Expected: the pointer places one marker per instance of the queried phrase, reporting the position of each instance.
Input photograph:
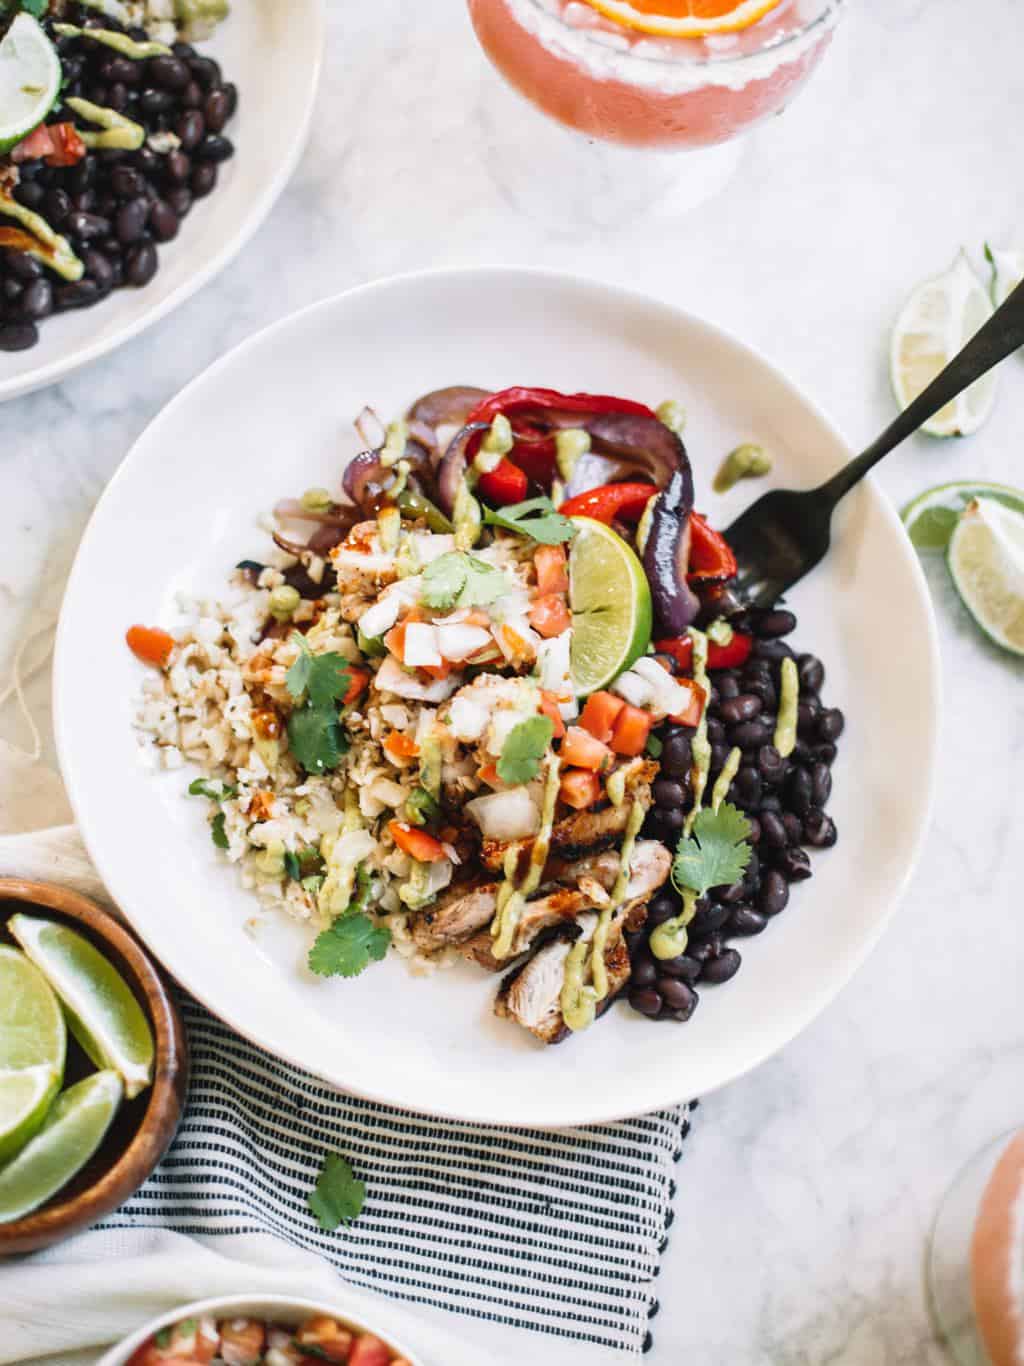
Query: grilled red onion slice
(291, 510)
(446, 407)
(452, 469)
(628, 446)
(667, 556)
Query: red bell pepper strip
(710, 554)
(504, 485)
(625, 502)
(59, 144)
(730, 656)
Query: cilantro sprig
(314, 731)
(214, 789)
(524, 748)
(461, 580)
(351, 944)
(537, 518)
(716, 854)
(323, 678)
(339, 1195)
(217, 832)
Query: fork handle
(1000, 337)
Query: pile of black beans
(784, 800)
(115, 207)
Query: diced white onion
(526, 640)
(636, 690)
(668, 696)
(381, 616)
(507, 815)
(468, 719)
(420, 645)
(459, 642)
(431, 546)
(391, 677)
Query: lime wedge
(610, 600)
(102, 1013)
(25, 1098)
(932, 516)
(32, 1028)
(986, 560)
(937, 320)
(1007, 272)
(73, 1130)
(30, 77)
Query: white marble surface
(806, 1194)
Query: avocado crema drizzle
(512, 898)
(120, 42)
(466, 513)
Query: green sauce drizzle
(789, 699)
(60, 257)
(512, 898)
(701, 747)
(120, 42)
(118, 133)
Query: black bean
(751, 734)
(793, 864)
(819, 829)
(676, 756)
(709, 918)
(147, 161)
(770, 802)
(747, 786)
(11, 290)
(743, 708)
(679, 997)
(644, 970)
(98, 267)
(799, 788)
(656, 827)
(646, 1001)
(180, 200)
(755, 829)
(204, 179)
(731, 894)
(668, 792)
(794, 827)
(86, 202)
(771, 764)
(773, 832)
(164, 225)
(825, 754)
(98, 91)
(771, 625)
(136, 31)
(703, 949)
(746, 921)
(58, 206)
(140, 264)
(171, 73)
(715, 730)
(811, 672)
(153, 101)
(183, 50)
(772, 650)
(206, 71)
(23, 267)
(178, 167)
(190, 129)
(807, 714)
(119, 70)
(81, 177)
(684, 968)
(713, 698)
(215, 148)
(31, 194)
(752, 876)
(216, 110)
(37, 300)
(79, 295)
(821, 784)
(831, 724)
(131, 221)
(192, 97)
(719, 754)
(759, 687)
(87, 227)
(117, 98)
(728, 687)
(127, 182)
(230, 92)
(721, 969)
(774, 894)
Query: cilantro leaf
(460, 580)
(216, 790)
(716, 854)
(339, 1195)
(324, 678)
(654, 746)
(537, 518)
(217, 832)
(348, 947)
(315, 737)
(292, 866)
(524, 748)
(37, 8)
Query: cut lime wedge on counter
(932, 516)
(25, 1098)
(74, 1129)
(986, 560)
(610, 600)
(30, 77)
(1007, 272)
(104, 1016)
(32, 1028)
(936, 322)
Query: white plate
(273, 418)
(265, 45)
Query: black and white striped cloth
(558, 1232)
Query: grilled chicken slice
(531, 995)
(455, 916)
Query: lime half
(1007, 272)
(30, 77)
(31, 1022)
(74, 1129)
(931, 517)
(936, 322)
(25, 1098)
(986, 560)
(610, 600)
(104, 1016)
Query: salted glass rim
(828, 10)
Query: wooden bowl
(143, 1128)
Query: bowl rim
(255, 1304)
(59, 1218)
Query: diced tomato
(416, 843)
(395, 640)
(242, 1341)
(401, 746)
(579, 788)
(710, 554)
(359, 681)
(489, 775)
(729, 656)
(58, 143)
(549, 708)
(370, 1351)
(552, 569)
(549, 615)
(599, 714)
(149, 1354)
(150, 644)
(691, 716)
(632, 727)
(505, 485)
(610, 502)
(581, 750)
(326, 1334)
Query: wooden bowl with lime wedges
(93, 1065)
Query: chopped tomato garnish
(549, 615)
(549, 708)
(359, 681)
(599, 714)
(242, 1341)
(580, 750)
(58, 143)
(489, 775)
(150, 644)
(395, 640)
(691, 716)
(579, 788)
(333, 1341)
(401, 746)
(370, 1351)
(416, 843)
(552, 569)
(632, 727)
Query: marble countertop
(808, 1188)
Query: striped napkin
(555, 1232)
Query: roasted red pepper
(710, 555)
(729, 656)
(505, 485)
(611, 502)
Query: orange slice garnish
(685, 18)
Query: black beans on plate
(783, 798)
(117, 207)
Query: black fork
(782, 536)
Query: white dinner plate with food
(260, 45)
(274, 419)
